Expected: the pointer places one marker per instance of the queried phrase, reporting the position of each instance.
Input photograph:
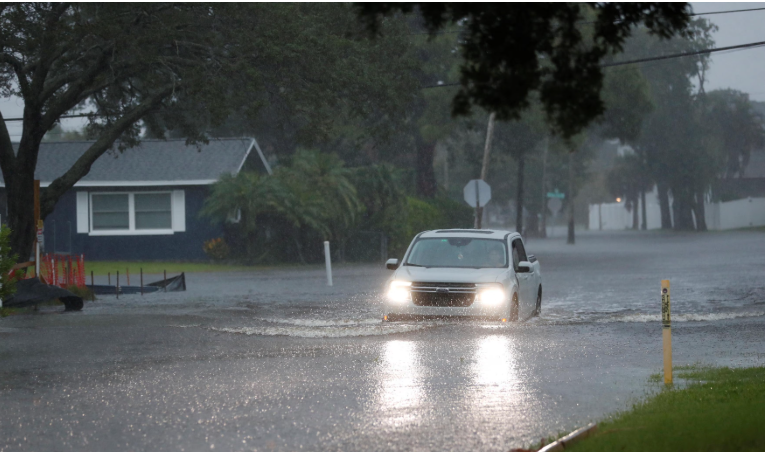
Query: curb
(571, 438)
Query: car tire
(514, 308)
(538, 308)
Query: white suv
(465, 272)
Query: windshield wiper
(415, 265)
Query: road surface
(276, 360)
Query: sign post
(666, 324)
(39, 244)
(477, 193)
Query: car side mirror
(523, 267)
(391, 264)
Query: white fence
(613, 216)
(742, 213)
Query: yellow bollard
(666, 323)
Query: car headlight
(494, 294)
(399, 291)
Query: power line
(685, 54)
(726, 12)
(657, 58)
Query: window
(111, 212)
(519, 253)
(138, 213)
(459, 252)
(153, 211)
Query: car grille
(456, 295)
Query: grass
(717, 409)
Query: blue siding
(61, 233)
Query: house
(142, 204)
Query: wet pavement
(276, 360)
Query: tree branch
(82, 166)
(7, 158)
(18, 68)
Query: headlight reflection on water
(401, 392)
(494, 372)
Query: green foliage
(730, 115)
(7, 261)
(312, 193)
(550, 54)
(719, 409)
(427, 214)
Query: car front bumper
(409, 309)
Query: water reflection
(495, 374)
(401, 383)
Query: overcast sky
(742, 70)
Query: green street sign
(556, 194)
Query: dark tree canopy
(513, 49)
(181, 69)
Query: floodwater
(276, 360)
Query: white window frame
(174, 209)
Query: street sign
(477, 192)
(556, 194)
(40, 230)
(554, 204)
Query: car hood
(433, 274)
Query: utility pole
(485, 166)
(571, 238)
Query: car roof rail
(464, 231)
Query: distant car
(466, 273)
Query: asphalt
(276, 360)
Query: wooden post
(109, 278)
(141, 281)
(666, 323)
(91, 278)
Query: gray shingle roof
(153, 162)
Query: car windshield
(458, 252)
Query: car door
(525, 280)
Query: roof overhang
(136, 183)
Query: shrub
(7, 261)
(82, 292)
(216, 249)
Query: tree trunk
(543, 225)
(635, 219)
(532, 225)
(21, 216)
(682, 207)
(666, 215)
(644, 225)
(298, 247)
(699, 210)
(571, 234)
(519, 195)
(425, 174)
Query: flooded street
(276, 360)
